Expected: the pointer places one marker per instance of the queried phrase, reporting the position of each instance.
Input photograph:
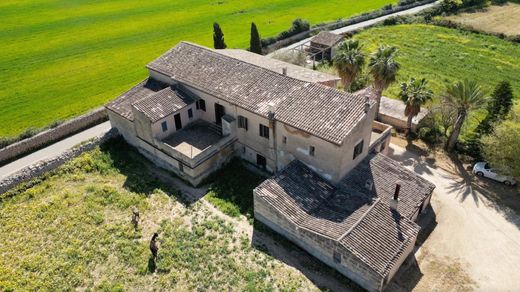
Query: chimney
(369, 184)
(395, 199)
(367, 104)
(284, 71)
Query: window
(284, 140)
(358, 149)
(312, 150)
(264, 131)
(337, 257)
(164, 126)
(201, 104)
(242, 122)
(190, 113)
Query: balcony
(195, 143)
(380, 134)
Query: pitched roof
(123, 104)
(364, 225)
(395, 108)
(326, 38)
(384, 173)
(322, 111)
(298, 72)
(162, 103)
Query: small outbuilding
(324, 43)
(391, 112)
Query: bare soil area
(499, 19)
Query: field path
(54, 150)
(364, 24)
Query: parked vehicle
(483, 169)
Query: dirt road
(474, 236)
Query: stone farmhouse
(334, 192)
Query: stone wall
(52, 135)
(43, 166)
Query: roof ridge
(376, 201)
(265, 69)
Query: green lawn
(444, 55)
(61, 58)
(72, 231)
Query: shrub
(499, 2)
(298, 25)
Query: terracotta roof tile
(322, 111)
(326, 38)
(162, 103)
(358, 220)
(123, 104)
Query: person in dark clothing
(153, 246)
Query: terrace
(196, 142)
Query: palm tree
(463, 97)
(349, 61)
(414, 94)
(383, 67)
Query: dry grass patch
(499, 19)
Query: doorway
(178, 123)
(220, 111)
(261, 161)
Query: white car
(483, 169)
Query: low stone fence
(49, 164)
(342, 23)
(49, 136)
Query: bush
(499, 2)
(298, 25)
(431, 135)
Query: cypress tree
(255, 45)
(218, 37)
(498, 108)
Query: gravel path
(471, 229)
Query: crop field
(71, 230)
(499, 19)
(443, 55)
(60, 58)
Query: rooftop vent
(284, 70)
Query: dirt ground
(474, 242)
(500, 19)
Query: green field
(444, 55)
(61, 58)
(72, 231)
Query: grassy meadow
(71, 230)
(60, 58)
(444, 55)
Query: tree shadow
(504, 199)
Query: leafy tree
(218, 37)
(498, 108)
(463, 97)
(255, 44)
(414, 94)
(500, 148)
(383, 67)
(349, 61)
